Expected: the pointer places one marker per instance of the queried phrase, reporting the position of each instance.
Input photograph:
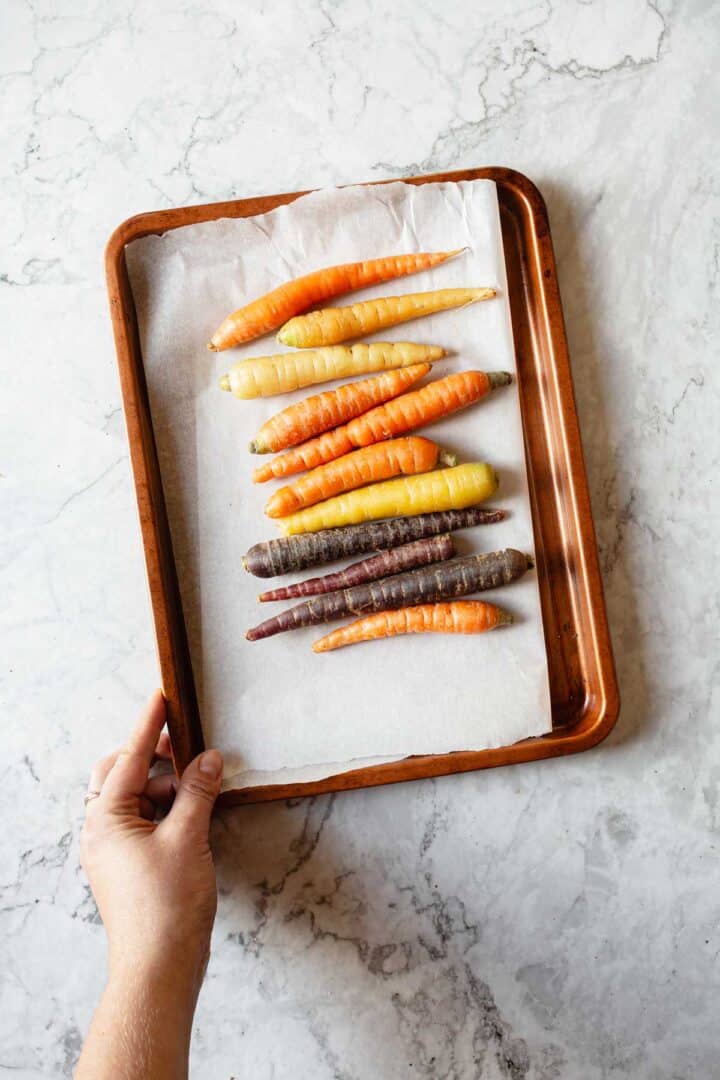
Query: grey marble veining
(557, 920)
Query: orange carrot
(294, 297)
(323, 411)
(326, 447)
(454, 617)
(413, 410)
(365, 466)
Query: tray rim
(171, 641)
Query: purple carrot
(289, 553)
(426, 585)
(418, 553)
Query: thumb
(199, 788)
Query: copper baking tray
(583, 685)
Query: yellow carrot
(319, 413)
(332, 325)
(275, 307)
(450, 617)
(264, 376)
(444, 489)
(367, 466)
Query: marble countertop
(557, 920)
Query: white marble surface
(548, 921)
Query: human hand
(153, 882)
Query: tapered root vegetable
(326, 447)
(366, 466)
(407, 557)
(274, 308)
(332, 407)
(264, 376)
(453, 617)
(442, 489)
(330, 326)
(444, 581)
(440, 398)
(287, 554)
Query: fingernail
(211, 763)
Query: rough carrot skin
(309, 455)
(454, 617)
(330, 326)
(366, 466)
(323, 411)
(443, 581)
(441, 489)
(286, 554)
(406, 557)
(275, 307)
(440, 398)
(264, 376)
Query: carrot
(275, 307)
(406, 557)
(264, 376)
(443, 581)
(288, 553)
(326, 447)
(439, 398)
(451, 617)
(329, 326)
(322, 411)
(368, 465)
(432, 402)
(442, 489)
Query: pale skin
(154, 885)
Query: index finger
(146, 734)
(129, 774)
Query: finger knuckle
(199, 789)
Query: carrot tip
(224, 381)
(254, 447)
(211, 347)
(499, 378)
(504, 618)
(530, 562)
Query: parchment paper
(276, 710)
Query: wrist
(169, 978)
